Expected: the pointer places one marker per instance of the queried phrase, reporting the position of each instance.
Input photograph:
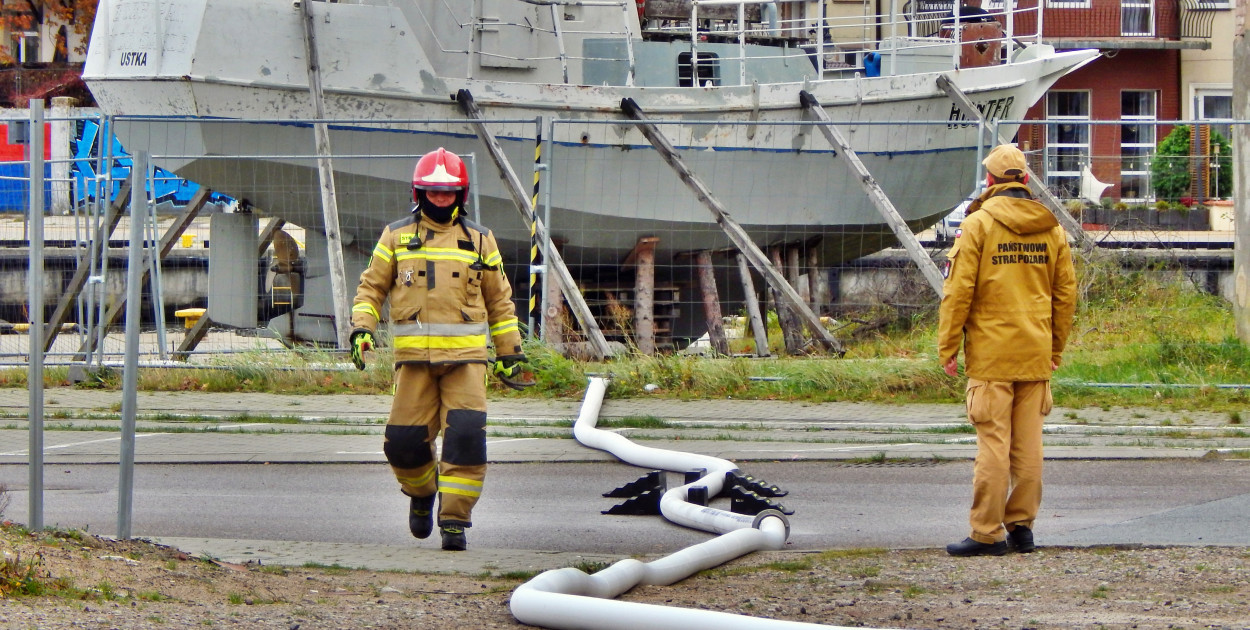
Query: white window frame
(1068, 4)
(1199, 90)
(21, 46)
(1149, 146)
(1215, 5)
(1149, 6)
(1084, 148)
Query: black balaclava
(436, 213)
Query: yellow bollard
(190, 316)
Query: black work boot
(453, 538)
(970, 547)
(1020, 539)
(421, 516)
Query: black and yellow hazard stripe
(534, 255)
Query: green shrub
(1175, 159)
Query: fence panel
(612, 205)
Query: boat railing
(840, 43)
(912, 40)
(989, 39)
(908, 38)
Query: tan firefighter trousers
(1007, 476)
(440, 399)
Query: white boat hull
(218, 91)
(781, 181)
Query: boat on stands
(220, 92)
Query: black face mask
(436, 213)
(439, 215)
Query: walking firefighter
(444, 277)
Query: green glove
(508, 366)
(362, 341)
(510, 371)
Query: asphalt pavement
(212, 428)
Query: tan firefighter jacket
(447, 289)
(1010, 289)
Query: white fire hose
(571, 599)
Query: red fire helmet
(439, 170)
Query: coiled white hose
(570, 599)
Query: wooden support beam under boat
(523, 205)
(878, 197)
(339, 299)
(643, 259)
(794, 272)
(1036, 184)
(791, 330)
(69, 297)
(171, 236)
(758, 329)
(553, 310)
(816, 278)
(194, 336)
(711, 303)
(732, 229)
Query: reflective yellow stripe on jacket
(365, 307)
(381, 251)
(504, 326)
(438, 253)
(444, 336)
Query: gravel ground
(91, 582)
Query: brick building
(1162, 60)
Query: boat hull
(218, 91)
(197, 101)
(602, 199)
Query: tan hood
(1022, 216)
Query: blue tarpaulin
(15, 187)
(168, 187)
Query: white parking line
(834, 449)
(73, 444)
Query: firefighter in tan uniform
(448, 295)
(1009, 296)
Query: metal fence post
(549, 128)
(130, 370)
(34, 279)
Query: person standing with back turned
(448, 293)
(1009, 296)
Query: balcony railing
(1197, 16)
(1110, 19)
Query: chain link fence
(235, 230)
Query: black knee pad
(406, 447)
(464, 441)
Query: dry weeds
(91, 582)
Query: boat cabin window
(709, 69)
